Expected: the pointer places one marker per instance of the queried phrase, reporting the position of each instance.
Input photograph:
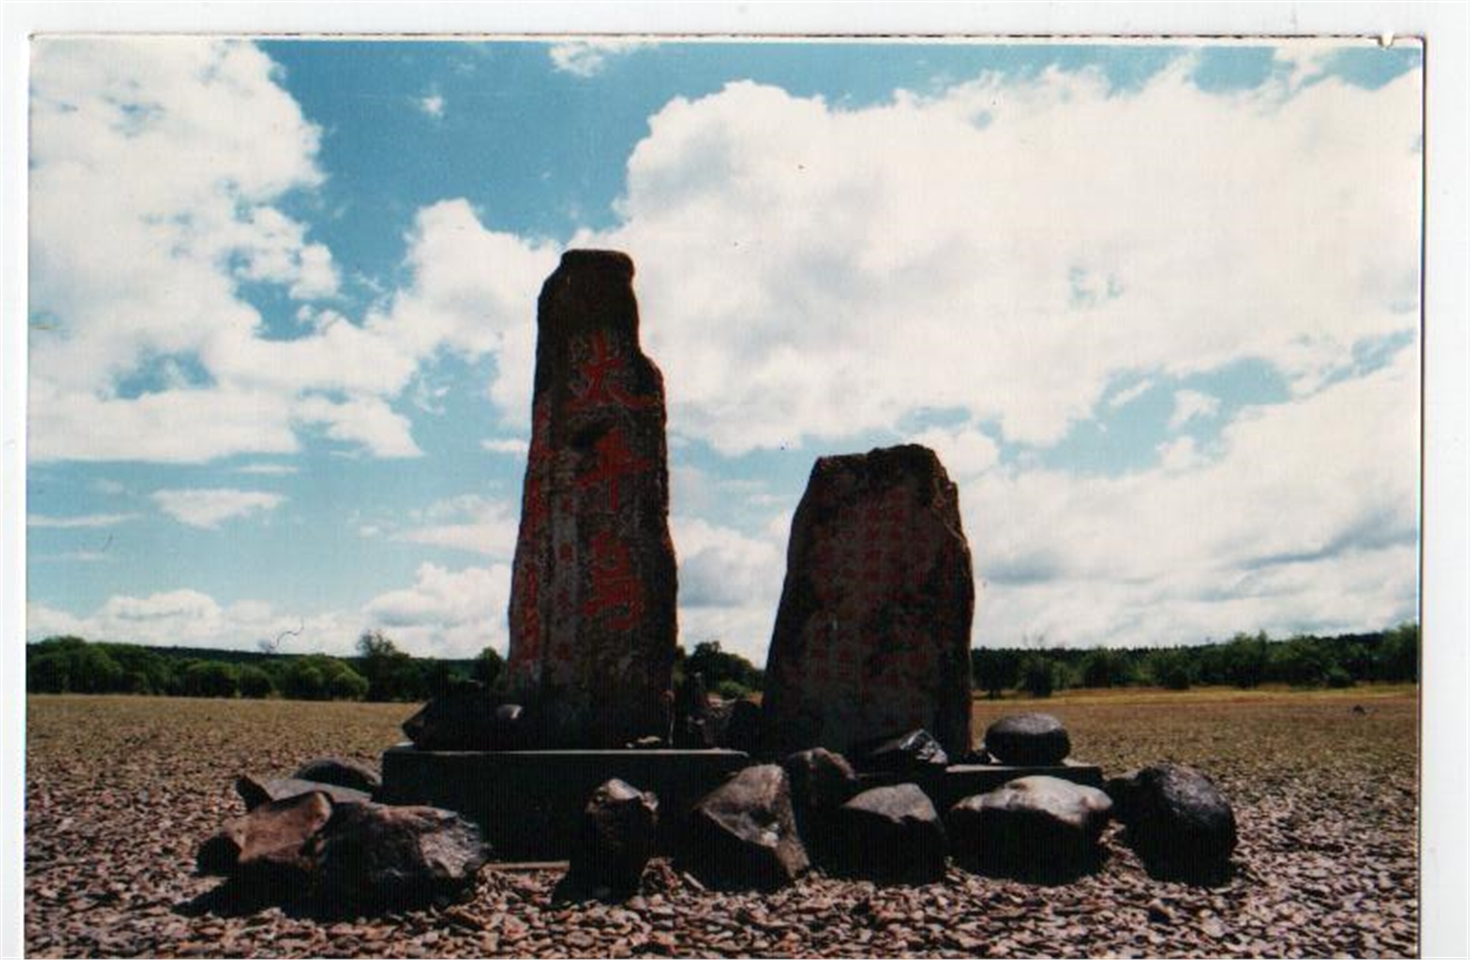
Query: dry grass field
(121, 790)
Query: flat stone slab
(529, 803)
(953, 783)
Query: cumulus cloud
(1191, 405)
(513, 447)
(1305, 519)
(190, 618)
(729, 585)
(207, 509)
(809, 271)
(88, 520)
(446, 613)
(143, 285)
(433, 105)
(470, 522)
(588, 58)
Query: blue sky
(1156, 307)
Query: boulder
(373, 856)
(1028, 739)
(256, 791)
(614, 843)
(271, 843)
(741, 729)
(743, 833)
(821, 781)
(1177, 820)
(467, 717)
(341, 773)
(1039, 824)
(872, 634)
(913, 752)
(891, 834)
(593, 585)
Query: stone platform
(953, 783)
(529, 802)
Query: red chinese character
(598, 387)
(614, 461)
(614, 585)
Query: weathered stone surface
(468, 717)
(1177, 819)
(255, 791)
(743, 833)
(272, 841)
(1041, 822)
(1028, 738)
(912, 752)
(373, 856)
(741, 729)
(693, 729)
(872, 636)
(342, 773)
(892, 834)
(616, 840)
(592, 612)
(821, 781)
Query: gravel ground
(120, 791)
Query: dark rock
(592, 612)
(373, 856)
(1028, 739)
(821, 781)
(256, 792)
(742, 728)
(692, 728)
(892, 834)
(743, 833)
(915, 751)
(271, 843)
(341, 773)
(468, 717)
(614, 844)
(873, 631)
(1037, 824)
(1177, 820)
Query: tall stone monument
(872, 636)
(592, 609)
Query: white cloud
(810, 271)
(471, 523)
(1124, 397)
(446, 613)
(1305, 518)
(433, 105)
(513, 447)
(1192, 405)
(587, 58)
(207, 509)
(83, 521)
(965, 452)
(189, 618)
(267, 469)
(729, 585)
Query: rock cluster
(333, 848)
(614, 843)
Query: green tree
(1105, 668)
(1247, 658)
(72, 665)
(488, 666)
(1170, 668)
(210, 678)
(719, 666)
(1398, 654)
(391, 673)
(255, 682)
(995, 670)
(1300, 662)
(1038, 675)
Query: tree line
(382, 672)
(379, 672)
(1243, 661)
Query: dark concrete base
(952, 784)
(529, 803)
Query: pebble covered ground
(120, 791)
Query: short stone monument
(592, 611)
(872, 636)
